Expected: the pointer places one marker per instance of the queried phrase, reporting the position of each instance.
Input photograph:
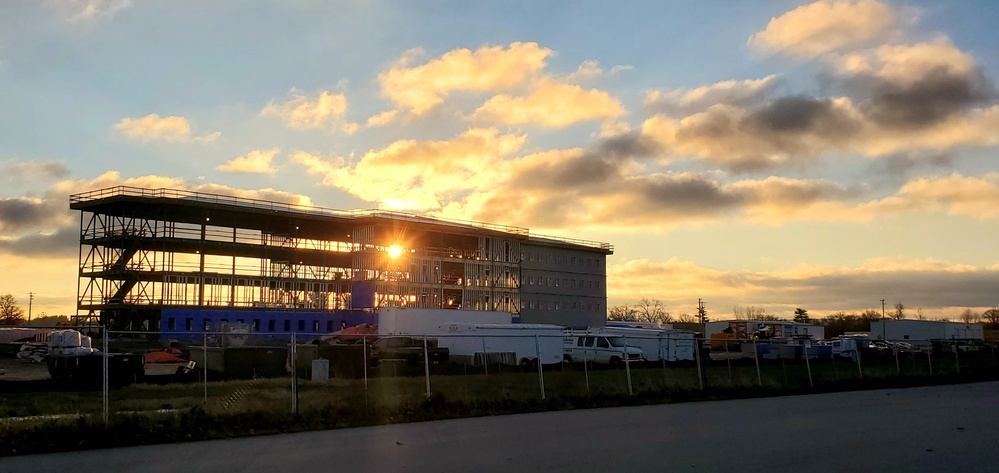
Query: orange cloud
(153, 127)
(257, 161)
(826, 26)
(420, 88)
(552, 104)
(326, 110)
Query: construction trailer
(143, 251)
(416, 322)
(922, 330)
(746, 329)
(520, 344)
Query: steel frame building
(144, 250)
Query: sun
(395, 251)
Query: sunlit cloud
(682, 102)
(257, 161)
(153, 127)
(323, 111)
(935, 286)
(552, 104)
(826, 26)
(87, 10)
(420, 88)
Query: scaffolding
(144, 250)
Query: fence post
(929, 359)
(586, 373)
(805, 345)
(756, 357)
(537, 359)
(204, 369)
(106, 381)
(957, 360)
(364, 362)
(485, 359)
(294, 374)
(627, 366)
(728, 361)
(898, 366)
(662, 356)
(697, 358)
(426, 365)
(859, 367)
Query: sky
(775, 154)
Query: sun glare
(395, 251)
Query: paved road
(944, 428)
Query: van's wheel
(525, 365)
(615, 362)
(567, 359)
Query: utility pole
(700, 310)
(884, 334)
(31, 297)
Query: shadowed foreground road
(935, 429)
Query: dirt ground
(12, 369)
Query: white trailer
(658, 344)
(520, 344)
(922, 330)
(405, 321)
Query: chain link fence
(109, 373)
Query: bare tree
(919, 314)
(652, 310)
(899, 312)
(10, 313)
(686, 318)
(623, 313)
(991, 316)
(870, 314)
(969, 317)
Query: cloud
(552, 104)
(152, 127)
(22, 213)
(87, 10)
(63, 242)
(826, 26)
(420, 88)
(682, 102)
(933, 285)
(324, 111)
(419, 174)
(32, 170)
(257, 161)
(382, 119)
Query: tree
(991, 317)
(686, 318)
(870, 314)
(10, 313)
(801, 316)
(623, 313)
(652, 310)
(969, 317)
(899, 312)
(919, 314)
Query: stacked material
(70, 343)
(32, 353)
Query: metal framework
(142, 250)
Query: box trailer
(520, 344)
(658, 344)
(406, 321)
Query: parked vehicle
(406, 349)
(657, 344)
(512, 344)
(598, 347)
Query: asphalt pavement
(932, 429)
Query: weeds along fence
(135, 372)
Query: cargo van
(598, 347)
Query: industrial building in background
(182, 260)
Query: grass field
(200, 410)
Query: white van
(597, 347)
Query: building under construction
(143, 251)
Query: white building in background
(744, 329)
(888, 329)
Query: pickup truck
(408, 349)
